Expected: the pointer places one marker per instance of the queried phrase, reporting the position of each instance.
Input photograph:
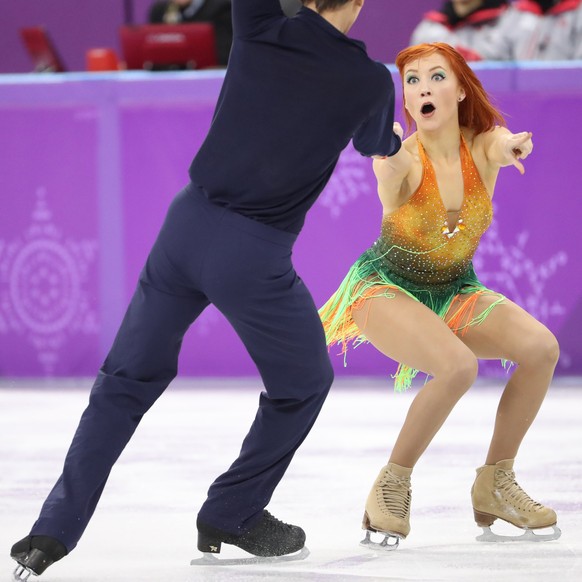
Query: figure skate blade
(21, 574)
(384, 545)
(209, 559)
(527, 536)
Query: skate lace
(513, 492)
(275, 523)
(395, 494)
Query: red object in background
(41, 50)
(166, 46)
(101, 59)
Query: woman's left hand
(517, 147)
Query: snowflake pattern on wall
(43, 293)
(349, 181)
(507, 268)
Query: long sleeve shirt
(296, 91)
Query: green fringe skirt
(371, 277)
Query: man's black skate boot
(270, 537)
(35, 554)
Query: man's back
(279, 126)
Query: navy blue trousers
(204, 254)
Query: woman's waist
(424, 268)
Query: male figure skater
(296, 91)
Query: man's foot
(35, 554)
(270, 537)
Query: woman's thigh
(508, 332)
(407, 331)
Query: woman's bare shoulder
(469, 135)
(475, 141)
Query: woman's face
(464, 7)
(432, 92)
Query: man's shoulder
(381, 71)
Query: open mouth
(427, 109)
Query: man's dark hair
(324, 5)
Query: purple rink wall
(90, 163)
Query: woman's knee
(541, 349)
(459, 369)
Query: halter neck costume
(422, 254)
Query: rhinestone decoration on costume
(416, 242)
(348, 182)
(42, 280)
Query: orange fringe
(463, 315)
(349, 330)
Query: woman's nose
(425, 93)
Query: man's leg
(139, 367)
(272, 311)
(141, 364)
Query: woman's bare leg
(408, 332)
(511, 333)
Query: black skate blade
(527, 536)
(21, 574)
(209, 559)
(383, 546)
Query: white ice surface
(143, 529)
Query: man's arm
(250, 16)
(375, 137)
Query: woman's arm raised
(391, 173)
(504, 148)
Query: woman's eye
(411, 80)
(438, 76)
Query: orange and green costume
(417, 253)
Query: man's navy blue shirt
(296, 91)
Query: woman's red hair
(475, 111)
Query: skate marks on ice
(436, 563)
(152, 495)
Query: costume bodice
(416, 242)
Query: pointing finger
(519, 166)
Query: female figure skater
(415, 297)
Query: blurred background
(91, 157)
(75, 27)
